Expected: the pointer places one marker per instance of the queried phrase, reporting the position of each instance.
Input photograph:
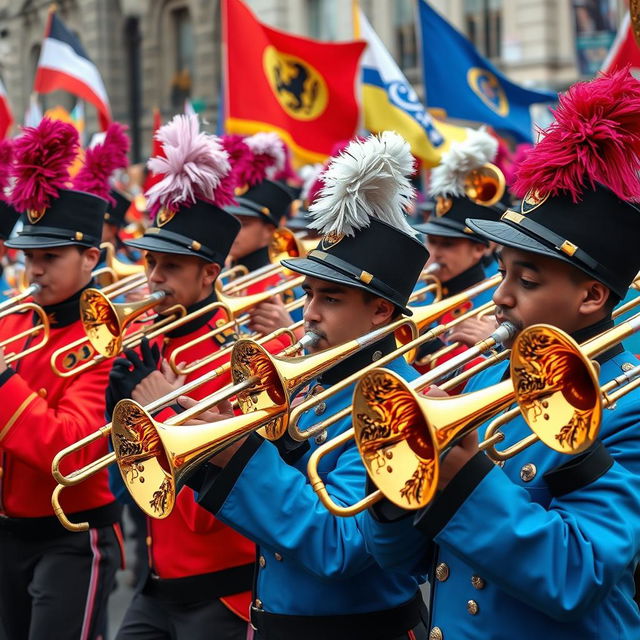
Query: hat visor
(432, 228)
(156, 243)
(42, 242)
(308, 267)
(504, 234)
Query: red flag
(301, 88)
(156, 150)
(6, 119)
(624, 51)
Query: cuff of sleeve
(216, 486)
(384, 510)
(6, 374)
(162, 415)
(434, 517)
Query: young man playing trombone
(54, 583)
(200, 570)
(315, 579)
(543, 545)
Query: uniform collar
(196, 323)
(66, 312)
(255, 260)
(464, 280)
(592, 331)
(358, 361)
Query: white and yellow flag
(390, 102)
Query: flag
(33, 113)
(6, 118)
(64, 64)
(389, 101)
(302, 89)
(460, 81)
(156, 150)
(624, 51)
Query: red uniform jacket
(191, 541)
(41, 413)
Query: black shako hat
(8, 218)
(367, 243)
(268, 200)
(580, 185)
(74, 217)
(201, 229)
(56, 215)
(599, 235)
(116, 213)
(187, 203)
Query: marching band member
(546, 546)
(315, 580)
(456, 249)
(200, 569)
(52, 582)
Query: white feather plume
(309, 173)
(478, 148)
(367, 180)
(268, 143)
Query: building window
(182, 79)
(322, 17)
(404, 23)
(483, 22)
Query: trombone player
(201, 571)
(50, 581)
(541, 545)
(315, 579)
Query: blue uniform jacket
(310, 562)
(510, 560)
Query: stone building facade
(156, 53)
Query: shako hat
(580, 185)
(186, 205)
(367, 241)
(8, 215)
(259, 159)
(58, 212)
(447, 187)
(116, 212)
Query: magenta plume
(195, 167)
(268, 157)
(6, 159)
(594, 139)
(101, 161)
(43, 155)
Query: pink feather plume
(268, 157)
(195, 167)
(595, 138)
(43, 155)
(6, 159)
(101, 161)
(287, 173)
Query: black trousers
(149, 618)
(57, 587)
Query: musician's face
(337, 313)
(60, 271)
(186, 279)
(537, 289)
(454, 255)
(253, 235)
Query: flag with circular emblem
(303, 89)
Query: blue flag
(460, 81)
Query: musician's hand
(269, 316)
(157, 384)
(3, 364)
(472, 330)
(222, 411)
(456, 458)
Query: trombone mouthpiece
(34, 288)
(309, 339)
(506, 331)
(432, 268)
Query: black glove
(128, 372)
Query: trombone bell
(485, 185)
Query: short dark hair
(368, 297)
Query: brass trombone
(43, 328)
(553, 381)
(9, 303)
(485, 185)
